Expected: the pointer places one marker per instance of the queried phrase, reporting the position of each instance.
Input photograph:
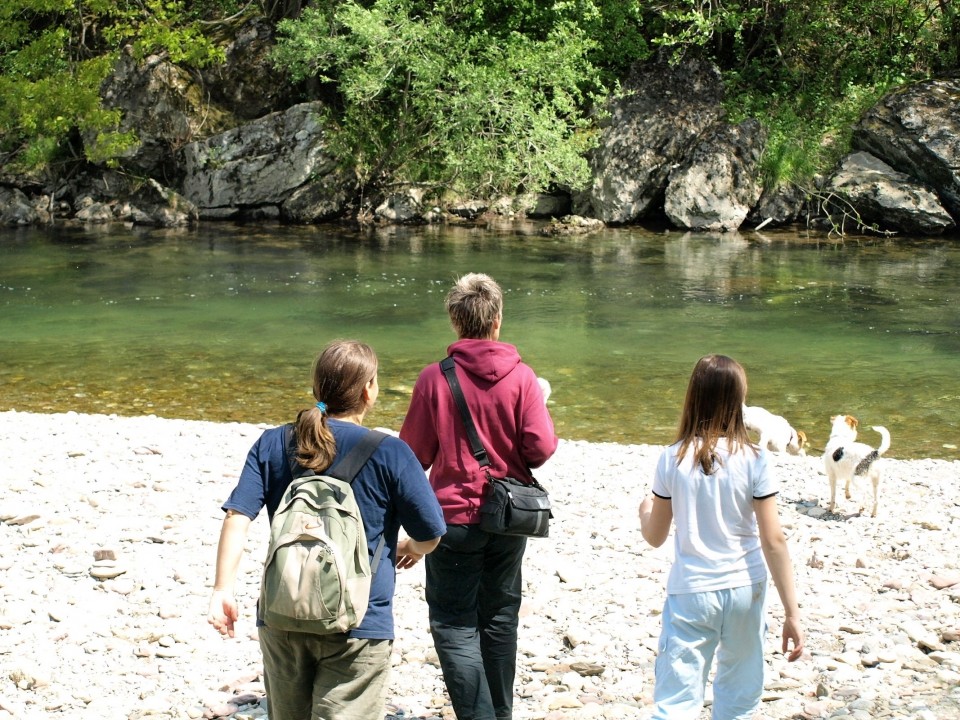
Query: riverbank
(109, 526)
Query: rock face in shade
(661, 113)
(916, 130)
(270, 162)
(867, 190)
(108, 533)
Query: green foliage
(159, 26)
(806, 135)
(480, 95)
(808, 70)
(54, 56)
(37, 115)
(425, 101)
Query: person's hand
(223, 612)
(646, 506)
(406, 557)
(792, 632)
(545, 388)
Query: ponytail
(340, 374)
(316, 447)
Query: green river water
(222, 322)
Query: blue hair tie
(322, 407)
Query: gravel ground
(108, 532)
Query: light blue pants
(729, 623)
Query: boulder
(404, 205)
(263, 162)
(573, 225)
(884, 200)
(717, 185)
(246, 83)
(164, 105)
(154, 204)
(95, 213)
(16, 208)
(779, 205)
(916, 130)
(325, 198)
(467, 209)
(650, 127)
(544, 205)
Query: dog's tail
(884, 439)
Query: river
(222, 322)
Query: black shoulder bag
(511, 507)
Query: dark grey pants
(473, 593)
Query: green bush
(54, 55)
(807, 71)
(424, 101)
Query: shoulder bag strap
(449, 368)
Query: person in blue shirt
(341, 676)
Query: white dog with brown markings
(844, 458)
(776, 434)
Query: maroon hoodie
(508, 409)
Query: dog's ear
(852, 421)
(802, 437)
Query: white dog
(776, 434)
(845, 458)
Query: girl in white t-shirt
(716, 487)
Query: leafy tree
(54, 55)
(479, 95)
(439, 95)
(808, 70)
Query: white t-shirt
(716, 541)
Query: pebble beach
(108, 535)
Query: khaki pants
(324, 677)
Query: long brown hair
(340, 373)
(713, 409)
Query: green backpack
(317, 574)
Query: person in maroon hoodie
(473, 579)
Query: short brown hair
(474, 303)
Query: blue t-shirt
(391, 491)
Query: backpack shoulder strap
(345, 469)
(290, 451)
(349, 466)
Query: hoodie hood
(490, 360)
